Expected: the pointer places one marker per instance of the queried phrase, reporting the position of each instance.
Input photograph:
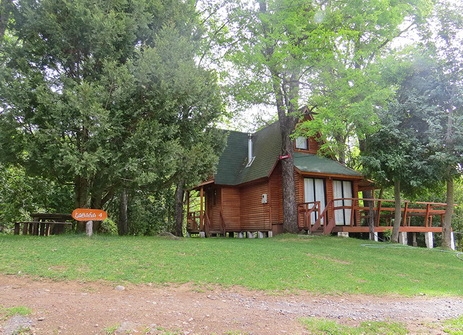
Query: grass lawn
(316, 264)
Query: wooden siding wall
(299, 180)
(231, 208)
(255, 214)
(213, 200)
(313, 146)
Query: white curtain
(314, 190)
(342, 189)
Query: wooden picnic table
(44, 224)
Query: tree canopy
(114, 99)
(324, 54)
(106, 96)
(422, 126)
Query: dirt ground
(73, 307)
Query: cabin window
(302, 143)
(342, 190)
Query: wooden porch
(361, 215)
(207, 215)
(198, 221)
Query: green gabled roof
(232, 169)
(317, 164)
(233, 159)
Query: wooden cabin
(245, 193)
(244, 197)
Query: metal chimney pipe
(250, 153)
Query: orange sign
(88, 214)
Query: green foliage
(352, 82)
(297, 263)
(21, 195)
(108, 227)
(330, 56)
(404, 148)
(107, 96)
(393, 152)
(387, 235)
(457, 222)
(151, 214)
(442, 42)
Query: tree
(277, 41)
(98, 94)
(457, 223)
(21, 195)
(419, 143)
(398, 153)
(284, 51)
(443, 39)
(354, 82)
(6, 8)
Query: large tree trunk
(81, 198)
(179, 192)
(286, 91)
(289, 196)
(447, 224)
(369, 194)
(95, 202)
(287, 124)
(122, 224)
(81, 192)
(397, 212)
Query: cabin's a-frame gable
(232, 159)
(236, 167)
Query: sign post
(89, 215)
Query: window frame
(298, 141)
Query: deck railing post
(201, 209)
(354, 204)
(427, 217)
(405, 213)
(378, 214)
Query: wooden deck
(354, 215)
(199, 223)
(343, 215)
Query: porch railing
(361, 211)
(198, 222)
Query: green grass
(6, 313)
(317, 264)
(319, 326)
(454, 326)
